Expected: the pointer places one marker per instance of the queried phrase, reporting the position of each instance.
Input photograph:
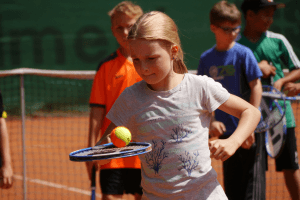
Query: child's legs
(231, 175)
(121, 197)
(116, 182)
(288, 163)
(133, 187)
(292, 180)
(257, 183)
(112, 197)
(244, 172)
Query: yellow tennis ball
(120, 136)
(4, 114)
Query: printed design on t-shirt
(155, 120)
(219, 72)
(154, 158)
(156, 123)
(189, 162)
(180, 133)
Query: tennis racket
(110, 151)
(274, 110)
(275, 94)
(271, 110)
(273, 122)
(93, 183)
(279, 96)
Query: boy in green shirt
(271, 50)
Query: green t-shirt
(275, 49)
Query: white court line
(55, 185)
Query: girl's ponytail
(179, 66)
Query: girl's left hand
(222, 149)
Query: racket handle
(93, 183)
(93, 177)
(93, 195)
(271, 77)
(272, 80)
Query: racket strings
(275, 138)
(275, 116)
(272, 112)
(110, 150)
(273, 108)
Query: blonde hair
(224, 11)
(127, 8)
(156, 25)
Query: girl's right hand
(222, 149)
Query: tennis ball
(4, 114)
(120, 136)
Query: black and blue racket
(110, 151)
(273, 106)
(272, 123)
(272, 111)
(280, 96)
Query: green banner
(76, 35)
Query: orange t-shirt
(114, 74)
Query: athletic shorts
(288, 159)
(245, 172)
(119, 181)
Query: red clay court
(50, 135)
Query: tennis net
(48, 117)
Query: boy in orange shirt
(114, 74)
(6, 171)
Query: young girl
(171, 109)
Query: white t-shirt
(176, 123)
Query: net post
(22, 99)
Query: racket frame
(83, 158)
(262, 125)
(268, 137)
(276, 95)
(279, 96)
